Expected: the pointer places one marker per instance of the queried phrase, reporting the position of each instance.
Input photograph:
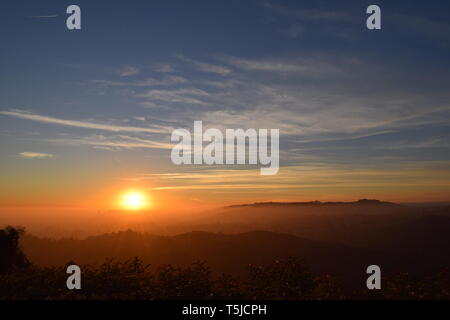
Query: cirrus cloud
(35, 155)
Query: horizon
(83, 223)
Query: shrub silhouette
(283, 279)
(193, 282)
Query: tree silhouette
(11, 256)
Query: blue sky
(100, 103)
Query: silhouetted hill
(360, 223)
(428, 231)
(224, 253)
(339, 238)
(315, 203)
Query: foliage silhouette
(11, 255)
(288, 278)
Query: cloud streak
(35, 155)
(79, 124)
(45, 16)
(149, 82)
(116, 143)
(128, 71)
(206, 67)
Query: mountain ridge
(315, 202)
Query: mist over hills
(341, 238)
(337, 238)
(229, 254)
(305, 219)
(358, 223)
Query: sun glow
(134, 200)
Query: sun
(134, 200)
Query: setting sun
(134, 201)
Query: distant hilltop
(314, 203)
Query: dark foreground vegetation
(288, 278)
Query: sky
(86, 114)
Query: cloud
(311, 14)
(294, 178)
(149, 82)
(309, 97)
(206, 67)
(428, 143)
(336, 21)
(186, 95)
(80, 124)
(128, 71)
(44, 16)
(266, 65)
(313, 98)
(310, 66)
(35, 155)
(164, 68)
(341, 21)
(430, 28)
(114, 143)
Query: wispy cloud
(127, 71)
(301, 65)
(79, 124)
(331, 20)
(431, 28)
(314, 99)
(283, 92)
(164, 68)
(149, 82)
(114, 143)
(311, 14)
(44, 16)
(206, 67)
(261, 65)
(35, 155)
(186, 95)
(305, 177)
